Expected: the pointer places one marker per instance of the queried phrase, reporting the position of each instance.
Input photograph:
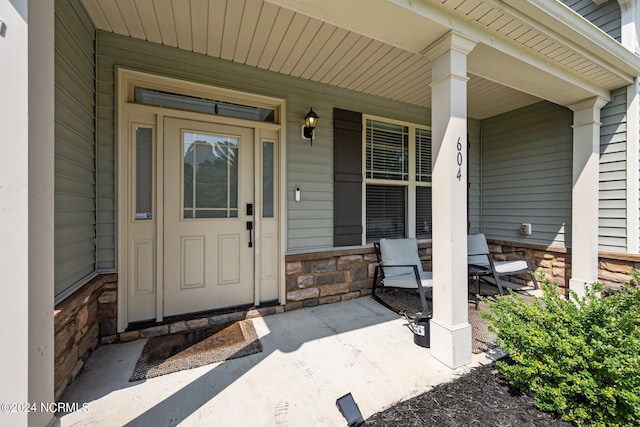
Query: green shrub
(579, 357)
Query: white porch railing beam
(584, 204)
(450, 329)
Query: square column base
(578, 286)
(451, 345)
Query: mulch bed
(480, 398)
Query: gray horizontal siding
(526, 174)
(474, 159)
(310, 221)
(606, 16)
(612, 209)
(75, 174)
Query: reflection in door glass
(267, 179)
(210, 176)
(144, 180)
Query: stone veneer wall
(82, 321)
(332, 276)
(614, 269)
(553, 261)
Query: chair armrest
(397, 265)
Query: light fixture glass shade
(311, 119)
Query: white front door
(208, 202)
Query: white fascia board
(479, 32)
(560, 19)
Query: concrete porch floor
(310, 357)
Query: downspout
(95, 147)
(481, 174)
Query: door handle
(250, 228)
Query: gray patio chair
(399, 267)
(478, 255)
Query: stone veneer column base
(81, 320)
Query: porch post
(633, 164)
(450, 329)
(630, 25)
(584, 204)
(26, 208)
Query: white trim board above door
(186, 244)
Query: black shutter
(347, 181)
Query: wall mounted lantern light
(310, 123)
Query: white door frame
(126, 109)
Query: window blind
(387, 153)
(386, 212)
(423, 155)
(423, 213)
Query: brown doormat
(482, 339)
(196, 347)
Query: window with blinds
(387, 155)
(386, 211)
(393, 153)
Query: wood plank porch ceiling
(260, 34)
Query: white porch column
(630, 25)
(450, 329)
(584, 204)
(633, 165)
(26, 208)
(629, 17)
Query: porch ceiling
(374, 46)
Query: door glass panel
(210, 176)
(144, 177)
(267, 179)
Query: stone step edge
(184, 325)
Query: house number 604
(459, 159)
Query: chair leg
(497, 279)
(375, 280)
(535, 282)
(375, 296)
(532, 273)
